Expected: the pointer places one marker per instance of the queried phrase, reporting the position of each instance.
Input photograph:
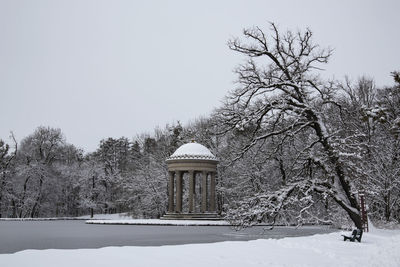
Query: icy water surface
(20, 235)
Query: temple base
(191, 216)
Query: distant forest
(293, 149)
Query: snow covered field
(378, 248)
(115, 216)
(161, 222)
(125, 218)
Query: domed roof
(192, 150)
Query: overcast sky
(100, 69)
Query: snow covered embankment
(116, 216)
(379, 248)
(161, 222)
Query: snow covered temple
(192, 172)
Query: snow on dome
(192, 150)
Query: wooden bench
(355, 235)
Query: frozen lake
(20, 235)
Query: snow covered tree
(150, 188)
(113, 156)
(64, 198)
(91, 191)
(374, 112)
(383, 179)
(36, 155)
(279, 96)
(7, 170)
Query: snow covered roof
(192, 150)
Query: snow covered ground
(116, 216)
(43, 219)
(378, 248)
(161, 222)
(125, 218)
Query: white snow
(161, 222)
(192, 150)
(378, 248)
(41, 219)
(115, 216)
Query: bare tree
(280, 96)
(383, 178)
(37, 154)
(7, 160)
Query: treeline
(277, 172)
(292, 149)
(44, 176)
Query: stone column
(171, 192)
(204, 192)
(178, 207)
(212, 192)
(191, 190)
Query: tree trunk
(387, 206)
(36, 205)
(339, 172)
